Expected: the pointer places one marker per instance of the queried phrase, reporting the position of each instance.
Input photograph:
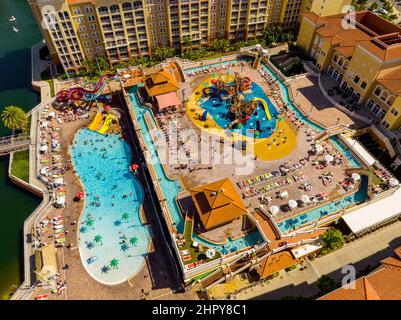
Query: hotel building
(75, 30)
(362, 52)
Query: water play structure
(89, 91)
(236, 103)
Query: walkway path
(369, 250)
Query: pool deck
(153, 281)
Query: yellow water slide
(96, 122)
(265, 106)
(106, 124)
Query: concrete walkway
(361, 253)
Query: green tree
(332, 239)
(14, 118)
(125, 216)
(98, 239)
(224, 45)
(162, 53)
(215, 45)
(133, 240)
(187, 43)
(114, 263)
(326, 284)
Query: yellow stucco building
(362, 52)
(75, 30)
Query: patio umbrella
(43, 148)
(210, 253)
(80, 195)
(281, 119)
(258, 46)
(52, 114)
(355, 176)
(393, 182)
(274, 209)
(305, 198)
(293, 204)
(107, 107)
(60, 201)
(59, 181)
(329, 158)
(134, 166)
(43, 170)
(318, 148)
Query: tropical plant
(117, 223)
(98, 238)
(125, 216)
(133, 240)
(82, 229)
(326, 284)
(114, 263)
(105, 269)
(90, 223)
(332, 239)
(124, 247)
(187, 42)
(162, 53)
(14, 118)
(90, 245)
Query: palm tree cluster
(332, 240)
(14, 118)
(274, 34)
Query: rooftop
(391, 80)
(382, 284)
(217, 203)
(377, 35)
(160, 83)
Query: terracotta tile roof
(160, 83)
(382, 284)
(80, 1)
(217, 203)
(391, 80)
(372, 32)
(276, 262)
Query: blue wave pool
(110, 228)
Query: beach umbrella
(134, 166)
(305, 198)
(293, 204)
(258, 46)
(107, 107)
(60, 201)
(210, 253)
(355, 176)
(393, 182)
(281, 119)
(256, 134)
(318, 148)
(43, 148)
(328, 158)
(52, 114)
(274, 209)
(80, 195)
(43, 170)
(59, 181)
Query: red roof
(167, 100)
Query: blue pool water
(218, 106)
(284, 92)
(239, 58)
(113, 197)
(171, 188)
(326, 209)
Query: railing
(13, 143)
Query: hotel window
(386, 124)
(363, 84)
(390, 100)
(378, 91)
(76, 11)
(356, 79)
(394, 112)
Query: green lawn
(20, 165)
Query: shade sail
(167, 100)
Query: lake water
(15, 88)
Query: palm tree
(98, 239)
(133, 241)
(114, 263)
(82, 229)
(187, 42)
(125, 216)
(14, 118)
(90, 223)
(224, 45)
(117, 223)
(90, 245)
(105, 269)
(332, 239)
(124, 247)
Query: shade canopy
(52, 114)
(305, 198)
(60, 201)
(328, 158)
(43, 148)
(59, 181)
(167, 100)
(293, 204)
(274, 209)
(355, 176)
